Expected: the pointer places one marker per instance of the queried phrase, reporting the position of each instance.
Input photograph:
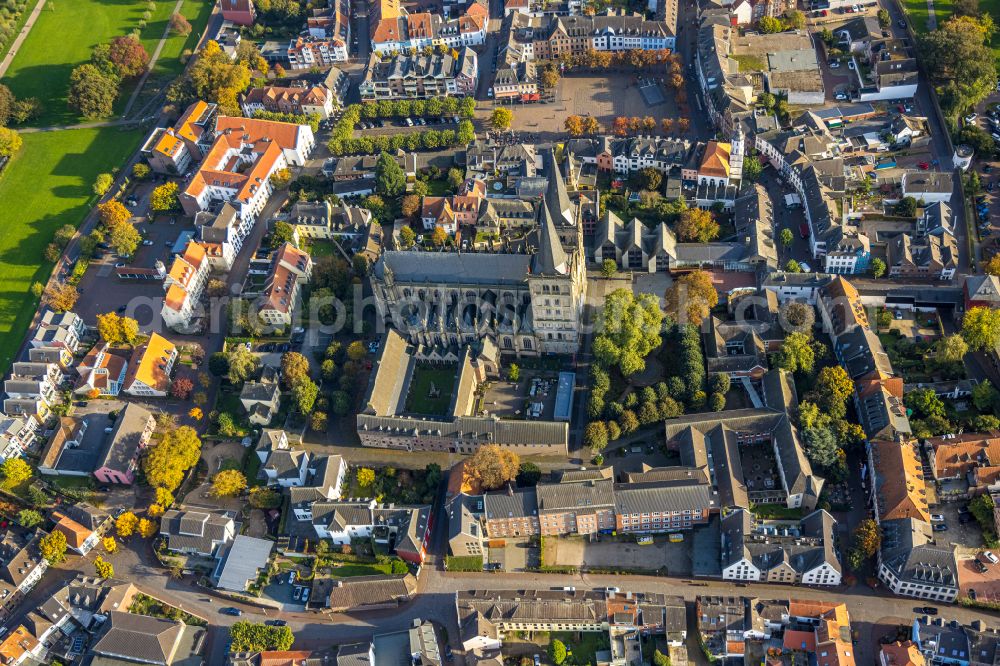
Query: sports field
(46, 186)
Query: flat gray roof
(243, 562)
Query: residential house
(21, 563)
(964, 465)
(912, 565)
(290, 269)
(222, 235)
(901, 654)
(932, 256)
(244, 155)
(465, 525)
(196, 532)
(395, 30)
(308, 51)
(363, 593)
(174, 150)
(19, 646)
(79, 604)
(102, 371)
(241, 562)
(149, 370)
(262, 399)
(780, 553)
(150, 640)
(184, 286)
(32, 389)
(725, 623)
(17, 434)
(981, 291)
(928, 186)
(80, 526)
(129, 436)
(59, 329)
(408, 527)
(240, 12)
(420, 76)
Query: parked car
(147, 243)
(929, 610)
(305, 594)
(971, 118)
(297, 593)
(988, 554)
(940, 527)
(229, 610)
(923, 166)
(275, 623)
(834, 64)
(901, 23)
(980, 567)
(935, 517)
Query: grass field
(57, 43)
(425, 377)
(917, 10)
(46, 186)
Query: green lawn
(65, 34)
(350, 570)
(917, 9)
(439, 378)
(46, 186)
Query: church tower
(737, 151)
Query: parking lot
(620, 553)
(603, 97)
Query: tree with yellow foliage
(110, 545)
(147, 528)
(196, 413)
(154, 511)
(103, 568)
(125, 524)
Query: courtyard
(533, 396)
(431, 389)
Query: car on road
(229, 610)
(275, 623)
(923, 166)
(935, 517)
(928, 610)
(834, 64)
(901, 23)
(841, 96)
(147, 243)
(940, 527)
(538, 660)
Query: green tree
(769, 25)
(821, 447)
(52, 547)
(304, 395)
(660, 659)
(766, 100)
(878, 268)
(609, 268)
(557, 651)
(907, 207)
(752, 168)
(407, 237)
(103, 183)
(514, 372)
(883, 17)
(140, 171)
(282, 233)
(390, 181)
(924, 402)
(786, 237)
(985, 397)
(629, 330)
(959, 62)
(242, 364)
(867, 538)
(595, 436)
(92, 92)
(834, 387)
(29, 518)
(981, 328)
(792, 266)
(252, 637)
(264, 498)
(796, 354)
(528, 474)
